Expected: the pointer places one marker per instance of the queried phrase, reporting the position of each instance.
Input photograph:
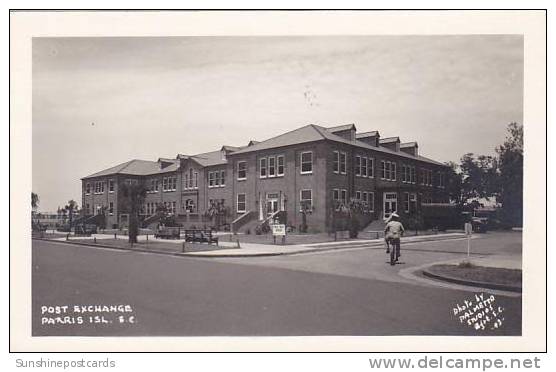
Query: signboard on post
(279, 230)
(468, 231)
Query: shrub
(465, 265)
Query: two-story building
(311, 169)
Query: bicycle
(394, 251)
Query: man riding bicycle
(393, 232)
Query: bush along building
(309, 178)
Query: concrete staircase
(376, 225)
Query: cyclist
(393, 232)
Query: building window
(307, 162)
(336, 162)
(358, 165)
(343, 197)
(222, 178)
(87, 188)
(211, 182)
(358, 195)
(426, 177)
(262, 168)
(241, 203)
(272, 166)
(281, 165)
(406, 202)
(189, 206)
(241, 170)
(343, 162)
(364, 172)
(388, 170)
(185, 181)
(196, 180)
(371, 167)
(110, 185)
(164, 184)
(365, 197)
(441, 181)
(393, 171)
(371, 201)
(88, 208)
(335, 194)
(111, 208)
(190, 178)
(413, 201)
(306, 200)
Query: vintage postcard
(278, 181)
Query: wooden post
(115, 236)
(95, 239)
(183, 247)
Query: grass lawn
(479, 274)
(153, 244)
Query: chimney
(411, 148)
(392, 143)
(370, 138)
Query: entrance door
(271, 204)
(390, 203)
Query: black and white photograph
(279, 185)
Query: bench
(85, 230)
(200, 236)
(168, 233)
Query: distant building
(312, 166)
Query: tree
(454, 181)
(70, 208)
(510, 162)
(133, 198)
(479, 176)
(34, 201)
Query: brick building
(312, 166)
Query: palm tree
(133, 198)
(70, 208)
(34, 201)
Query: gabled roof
(340, 128)
(208, 159)
(137, 167)
(305, 134)
(366, 134)
(389, 140)
(230, 148)
(312, 133)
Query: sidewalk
(230, 249)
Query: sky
(98, 102)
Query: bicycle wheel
(393, 255)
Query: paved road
(318, 294)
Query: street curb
(201, 255)
(368, 244)
(472, 283)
